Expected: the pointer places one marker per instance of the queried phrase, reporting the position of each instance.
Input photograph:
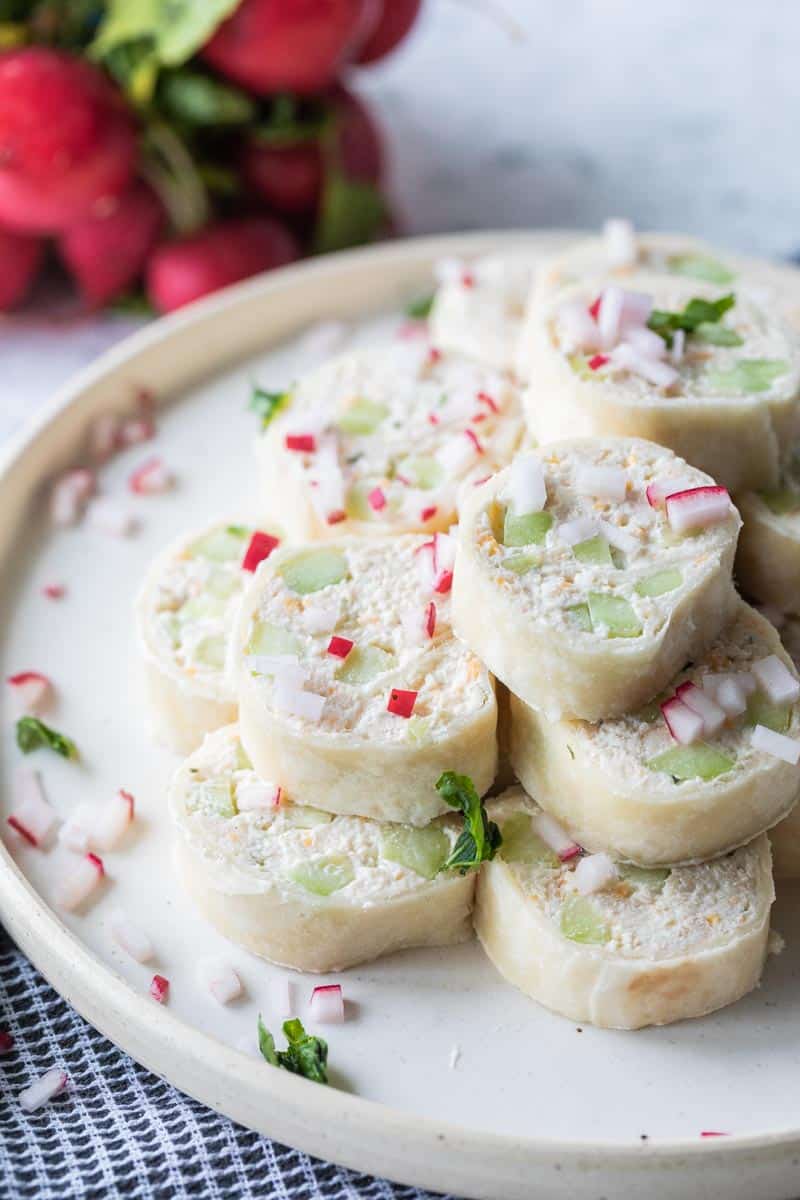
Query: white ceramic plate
(443, 1075)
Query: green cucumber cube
(424, 471)
(660, 583)
(363, 417)
(521, 564)
(749, 375)
(212, 651)
(595, 550)
(272, 639)
(221, 545)
(365, 663)
(303, 816)
(653, 878)
(521, 843)
(761, 711)
(213, 798)
(314, 570)
(700, 761)
(581, 617)
(582, 922)
(616, 613)
(528, 530)
(324, 876)
(423, 851)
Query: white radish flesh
(111, 821)
(133, 940)
(31, 815)
(251, 797)
(605, 483)
(711, 714)
(224, 984)
(80, 882)
(620, 243)
(555, 836)
(776, 744)
(327, 1005)
(32, 691)
(593, 873)
(44, 1089)
(527, 491)
(698, 508)
(776, 680)
(685, 725)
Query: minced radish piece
(50, 1084)
(467, 279)
(159, 989)
(618, 537)
(444, 582)
(109, 517)
(130, 937)
(430, 619)
(75, 833)
(660, 374)
(457, 454)
(555, 836)
(713, 1133)
(606, 483)
(412, 328)
(260, 547)
(433, 357)
(111, 820)
(609, 315)
(620, 243)
(31, 690)
(577, 328)
(776, 744)
(657, 492)
(413, 624)
(340, 647)
(597, 361)
(526, 489)
(401, 703)
(290, 698)
(336, 517)
(489, 401)
(698, 507)
(376, 499)
(593, 873)
(257, 795)
(579, 529)
(428, 513)
(731, 697)
(282, 666)
(685, 725)
(473, 437)
(306, 443)
(135, 430)
(80, 882)
(105, 437)
(646, 342)
(327, 1004)
(54, 591)
(678, 345)
(151, 478)
(319, 616)
(433, 419)
(6, 1041)
(776, 680)
(444, 557)
(426, 565)
(636, 310)
(280, 997)
(594, 308)
(224, 984)
(31, 815)
(70, 495)
(711, 714)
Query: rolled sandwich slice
(709, 374)
(351, 683)
(184, 616)
(785, 836)
(768, 554)
(380, 441)
(591, 571)
(706, 770)
(300, 886)
(616, 946)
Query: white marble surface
(680, 116)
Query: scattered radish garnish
(159, 989)
(620, 243)
(80, 882)
(44, 1089)
(577, 327)
(428, 513)
(376, 499)
(485, 398)
(260, 547)
(593, 873)
(594, 308)
(135, 430)
(731, 697)
(776, 744)
(340, 647)
(433, 357)
(104, 437)
(526, 490)
(646, 342)
(776, 680)
(70, 495)
(657, 492)
(710, 713)
(685, 725)
(597, 361)
(430, 619)
(133, 940)
(224, 984)
(31, 816)
(555, 836)
(467, 280)
(54, 591)
(31, 690)
(280, 996)
(426, 565)
(473, 437)
(579, 529)
(617, 537)
(444, 557)
(109, 517)
(401, 703)
(151, 478)
(305, 443)
(698, 508)
(6, 1041)
(75, 832)
(606, 483)
(609, 315)
(290, 698)
(111, 820)
(629, 358)
(259, 794)
(327, 1004)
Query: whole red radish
(290, 177)
(287, 45)
(184, 270)
(20, 257)
(394, 23)
(67, 141)
(106, 253)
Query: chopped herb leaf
(32, 734)
(420, 310)
(238, 531)
(480, 838)
(267, 404)
(304, 1055)
(696, 313)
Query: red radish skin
(336, 517)
(54, 591)
(260, 547)
(597, 361)
(489, 401)
(106, 253)
(185, 270)
(67, 140)
(31, 690)
(20, 259)
(401, 703)
(305, 443)
(340, 647)
(286, 45)
(376, 499)
(151, 478)
(697, 507)
(136, 430)
(22, 830)
(394, 24)
(428, 513)
(594, 308)
(327, 1004)
(159, 989)
(684, 725)
(473, 437)
(430, 619)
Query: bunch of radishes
(185, 146)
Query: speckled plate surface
(443, 1075)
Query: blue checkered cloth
(121, 1131)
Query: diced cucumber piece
(700, 761)
(212, 652)
(221, 545)
(522, 844)
(363, 417)
(653, 878)
(700, 266)
(213, 798)
(423, 851)
(660, 583)
(417, 728)
(364, 663)
(202, 607)
(272, 639)
(324, 876)
(530, 529)
(717, 334)
(781, 501)
(423, 471)
(595, 550)
(521, 564)
(242, 758)
(303, 816)
(581, 922)
(748, 375)
(580, 365)
(314, 570)
(580, 616)
(222, 583)
(761, 711)
(356, 504)
(616, 613)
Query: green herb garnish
(480, 839)
(696, 313)
(32, 734)
(304, 1055)
(420, 310)
(267, 404)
